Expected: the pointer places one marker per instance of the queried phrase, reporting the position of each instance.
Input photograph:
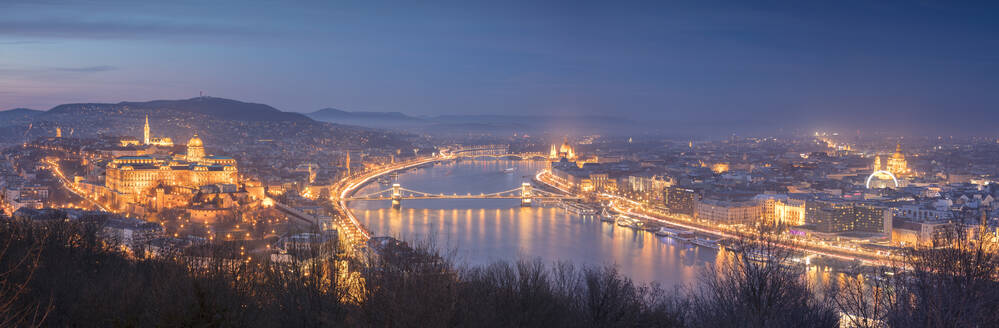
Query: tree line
(63, 274)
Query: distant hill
(215, 107)
(342, 116)
(18, 114)
(219, 122)
(478, 123)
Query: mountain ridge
(331, 113)
(216, 107)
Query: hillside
(373, 119)
(218, 121)
(214, 107)
(18, 114)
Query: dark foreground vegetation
(62, 274)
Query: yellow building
(148, 139)
(727, 212)
(132, 178)
(897, 164)
(566, 151)
(563, 151)
(779, 209)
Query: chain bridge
(397, 193)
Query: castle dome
(195, 141)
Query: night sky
(794, 64)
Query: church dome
(898, 152)
(195, 141)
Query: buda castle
(133, 178)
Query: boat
(678, 234)
(509, 170)
(684, 235)
(636, 224)
(703, 242)
(579, 209)
(606, 216)
(624, 221)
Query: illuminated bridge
(397, 193)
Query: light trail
(541, 174)
(71, 187)
(351, 186)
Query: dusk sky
(794, 61)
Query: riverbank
(630, 207)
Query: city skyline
(687, 164)
(697, 66)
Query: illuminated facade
(897, 164)
(563, 151)
(133, 177)
(128, 141)
(195, 149)
(719, 168)
(727, 212)
(681, 200)
(780, 209)
(148, 139)
(839, 216)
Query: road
(355, 232)
(628, 206)
(71, 186)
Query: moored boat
(685, 235)
(703, 242)
(606, 216)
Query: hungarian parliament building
(135, 179)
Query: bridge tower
(525, 194)
(396, 196)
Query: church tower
(145, 132)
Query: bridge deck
(461, 197)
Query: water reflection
(483, 231)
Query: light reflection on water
(484, 231)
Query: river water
(488, 230)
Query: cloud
(14, 43)
(87, 69)
(76, 29)
(49, 72)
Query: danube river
(488, 230)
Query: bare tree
(955, 284)
(758, 287)
(17, 269)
